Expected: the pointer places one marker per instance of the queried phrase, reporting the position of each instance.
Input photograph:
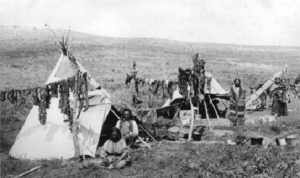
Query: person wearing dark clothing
(279, 98)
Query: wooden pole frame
(76, 113)
(192, 112)
(192, 119)
(218, 117)
(207, 116)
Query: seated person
(115, 153)
(128, 127)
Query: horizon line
(160, 38)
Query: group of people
(278, 93)
(115, 153)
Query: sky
(249, 22)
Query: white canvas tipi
(54, 139)
(215, 89)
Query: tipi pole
(267, 84)
(207, 116)
(192, 119)
(75, 123)
(29, 171)
(213, 106)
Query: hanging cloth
(154, 87)
(71, 83)
(52, 90)
(164, 87)
(85, 91)
(136, 85)
(2, 95)
(22, 97)
(10, 96)
(128, 79)
(35, 96)
(43, 105)
(27, 92)
(170, 90)
(20, 100)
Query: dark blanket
(279, 108)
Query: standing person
(115, 153)
(128, 127)
(279, 98)
(237, 103)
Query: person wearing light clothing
(128, 127)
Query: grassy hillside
(29, 52)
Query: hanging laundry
(54, 90)
(154, 87)
(167, 82)
(11, 96)
(23, 93)
(2, 95)
(46, 94)
(71, 83)
(151, 81)
(135, 100)
(128, 79)
(35, 96)
(22, 96)
(27, 92)
(164, 87)
(64, 102)
(147, 81)
(199, 71)
(43, 105)
(136, 85)
(142, 81)
(183, 80)
(70, 118)
(15, 96)
(20, 99)
(85, 91)
(170, 90)
(42, 115)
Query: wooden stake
(75, 124)
(146, 144)
(207, 116)
(192, 120)
(149, 134)
(213, 106)
(29, 171)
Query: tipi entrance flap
(90, 127)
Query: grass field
(28, 55)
